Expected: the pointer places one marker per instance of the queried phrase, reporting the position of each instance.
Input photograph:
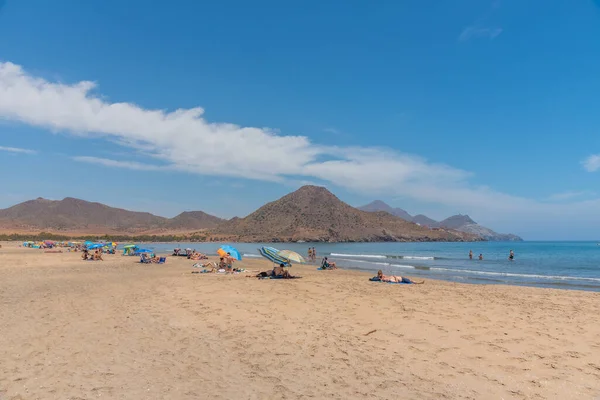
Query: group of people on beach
(197, 256)
(312, 254)
(96, 256)
(511, 255)
(225, 265)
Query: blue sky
(481, 107)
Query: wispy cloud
(118, 164)
(563, 196)
(332, 130)
(591, 163)
(482, 28)
(17, 150)
(471, 32)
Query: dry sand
(117, 329)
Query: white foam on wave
(364, 262)
(418, 258)
(512, 274)
(357, 255)
(402, 266)
(252, 256)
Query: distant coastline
(195, 237)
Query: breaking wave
(382, 256)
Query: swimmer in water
(480, 257)
(470, 254)
(511, 256)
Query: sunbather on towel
(396, 279)
(277, 272)
(208, 267)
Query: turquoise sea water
(567, 265)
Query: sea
(564, 265)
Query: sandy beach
(118, 329)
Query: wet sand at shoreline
(117, 329)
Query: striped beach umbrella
(270, 253)
(291, 256)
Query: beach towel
(376, 279)
(279, 277)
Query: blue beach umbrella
(95, 246)
(233, 252)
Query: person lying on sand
(325, 264)
(197, 256)
(396, 279)
(277, 272)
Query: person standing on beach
(470, 254)
(314, 254)
(511, 256)
(309, 254)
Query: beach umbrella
(143, 251)
(95, 246)
(292, 256)
(130, 246)
(270, 253)
(233, 252)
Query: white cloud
(17, 150)
(183, 140)
(471, 32)
(592, 163)
(118, 164)
(569, 195)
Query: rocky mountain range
(311, 213)
(461, 223)
(80, 216)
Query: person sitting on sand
(277, 272)
(229, 262)
(85, 255)
(222, 263)
(155, 259)
(325, 264)
(98, 256)
(395, 278)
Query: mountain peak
(379, 205)
(457, 221)
(313, 213)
